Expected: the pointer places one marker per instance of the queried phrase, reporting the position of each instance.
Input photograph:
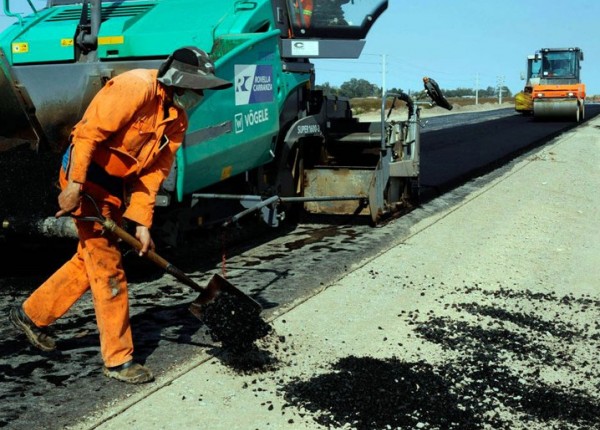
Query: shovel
(231, 315)
(211, 292)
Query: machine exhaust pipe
(49, 227)
(96, 19)
(87, 39)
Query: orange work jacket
(126, 131)
(304, 10)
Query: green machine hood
(55, 60)
(127, 29)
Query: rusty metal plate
(329, 182)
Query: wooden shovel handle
(111, 226)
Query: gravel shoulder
(485, 316)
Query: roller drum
(556, 109)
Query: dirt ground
(485, 315)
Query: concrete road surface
(486, 316)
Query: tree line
(360, 88)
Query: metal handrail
(19, 16)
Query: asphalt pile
(501, 335)
(233, 322)
(369, 393)
(476, 383)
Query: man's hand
(143, 235)
(68, 199)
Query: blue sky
(456, 41)
(453, 41)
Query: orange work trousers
(96, 265)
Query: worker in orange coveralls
(123, 146)
(303, 12)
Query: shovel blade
(215, 287)
(232, 317)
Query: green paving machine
(271, 144)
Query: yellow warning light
(226, 172)
(20, 47)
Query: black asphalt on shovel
(232, 317)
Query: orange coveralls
(129, 135)
(303, 12)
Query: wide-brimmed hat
(190, 67)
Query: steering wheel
(434, 92)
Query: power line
(348, 71)
(390, 67)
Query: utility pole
(383, 73)
(500, 86)
(477, 89)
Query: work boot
(130, 372)
(36, 335)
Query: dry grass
(371, 104)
